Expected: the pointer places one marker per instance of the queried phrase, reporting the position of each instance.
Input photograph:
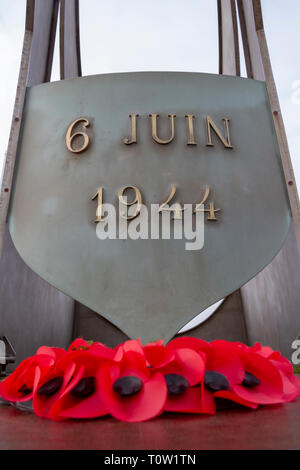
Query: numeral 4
(175, 208)
(211, 210)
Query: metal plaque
(222, 140)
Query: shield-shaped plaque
(220, 149)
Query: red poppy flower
(71, 389)
(222, 369)
(19, 386)
(135, 383)
(218, 359)
(80, 397)
(183, 369)
(262, 383)
(128, 389)
(48, 389)
(291, 383)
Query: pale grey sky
(119, 35)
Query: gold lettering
(132, 140)
(212, 212)
(99, 195)
(190, 126)
(70, 137)
(175, 208)
(212, 125)
(137, 200)
(155, 137)
(211, 209)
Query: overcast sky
(131, 35)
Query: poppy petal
(18, 386)
(55, 353)
(186, 342)
(158, 355)
(69, 406)
(104, 352)
(226, 363)
(230, 395)
(134, 364)
(144, 405)
(193, 400)
(43, 403)
(270, 390)
(133, 345)
(187, 363)
(291, 386)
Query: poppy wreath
(135, 383)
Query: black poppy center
(25, 390)
(215, 381)
(177, 384)
(84, 388)
(250, 380)
(51, 387)
(126, 386)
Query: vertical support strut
(42, 49)
(278, 121)
(70, 60)
(252, 54)
(229, 56)
(259, 67)
(35, 68)
(9, 164)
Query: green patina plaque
(149, 288)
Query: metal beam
(41, 57)
(29, 21)
(229, 56)
(252, 54)
(70, 60)
(278, 120)
(9, 163)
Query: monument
(215, 142)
